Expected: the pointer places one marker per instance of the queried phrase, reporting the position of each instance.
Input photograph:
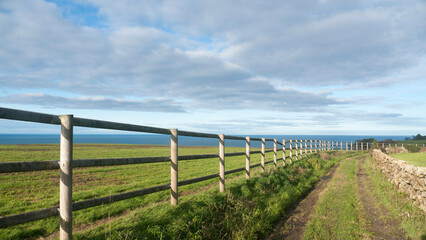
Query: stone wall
(407, 178)
(392, 150)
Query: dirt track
(293, 225)
(380, 223)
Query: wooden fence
(66, 163)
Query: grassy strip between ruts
(338, 213)
(416, 159)
(29, 191)
(247, 210)
(412, 221)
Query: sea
(156, 139)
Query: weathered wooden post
(306, 147)
(297, 152)
(316, 146)
(222, 162)
(341, 146)
(352, 146)
(291, 151)
(262, 159)
(174, 146)
(383, 145)
(247, 158)
(65, 185)
(362, 146)
(301, 149)
(275, 153)
(356, 146)
(284, 152)
(310, 147)
(346, 149)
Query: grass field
(21, 192)
(418, 142)
(416, 159)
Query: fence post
(341, 146)
(315, 146)
(383, 145)
(297, 151)
(301, 149)
(275, 153)
(65, 185)
(346, 149)
(284, 152)
(306, 147)
(247, 158)
(310, 149)
(174, 166)
(262, 159)
(362, 146)
(291, 151)
(222, 162)
(351, 146)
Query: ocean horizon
(157, 139)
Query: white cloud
(215, 55)
(90, 102)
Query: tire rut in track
(381, 223)
(292, 226)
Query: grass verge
(412, 221)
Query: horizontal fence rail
(296, 149)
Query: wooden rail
(66, 164)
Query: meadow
(417, 159)
(267, 194)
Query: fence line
(66, 163)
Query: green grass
(21, 192)
(338, 213)
(416, 159)
(419, 142)
(248, 210)
(398, 204)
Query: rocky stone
(406, 177)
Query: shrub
(412, 148)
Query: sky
(235, 67)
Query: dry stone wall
(406, 177)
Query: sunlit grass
(416, 159)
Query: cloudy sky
(233, 67)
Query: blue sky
(233, 67)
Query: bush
(412, 148)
